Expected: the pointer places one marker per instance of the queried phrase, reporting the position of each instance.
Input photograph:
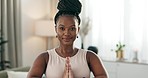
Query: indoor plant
(119, 50)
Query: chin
(67, 43)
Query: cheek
(59, 33)
(74, 34)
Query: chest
(56, 66)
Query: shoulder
(91, 53)
(87, 52)
(46, 54)
(43, 57)
(91, 56)
(39, 65)
(95, 64)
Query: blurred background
(27, 30)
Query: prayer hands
(68, 72)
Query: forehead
(67, 20)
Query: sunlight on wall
(120, 20)
(32, 10)
(32, 50)
(108, 24)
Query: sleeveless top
(56, 65)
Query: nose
(66, 32)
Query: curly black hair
(68, 7)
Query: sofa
(3, 73)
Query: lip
(67, 39)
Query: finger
(67, 60)
(66, 72)
(68, 67)
(70, 72)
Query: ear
(78, 29)
(55, 28)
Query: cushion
(17, 74)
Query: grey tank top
(56, 65)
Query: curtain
(136, 28)
(11, 26)
(120, 20)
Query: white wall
(32, 45)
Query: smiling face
(67, 29)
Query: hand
(68, 72)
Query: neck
(66, 51)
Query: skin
(67, 29)
(68, 72)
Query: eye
(62, 28)
(73, 29)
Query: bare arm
(39, 66)
(96, 66)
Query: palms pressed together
(68, 72)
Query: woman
(66, 61)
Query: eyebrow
(61, 25)
(64, 26)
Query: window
(120, 20)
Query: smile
(67, 39)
